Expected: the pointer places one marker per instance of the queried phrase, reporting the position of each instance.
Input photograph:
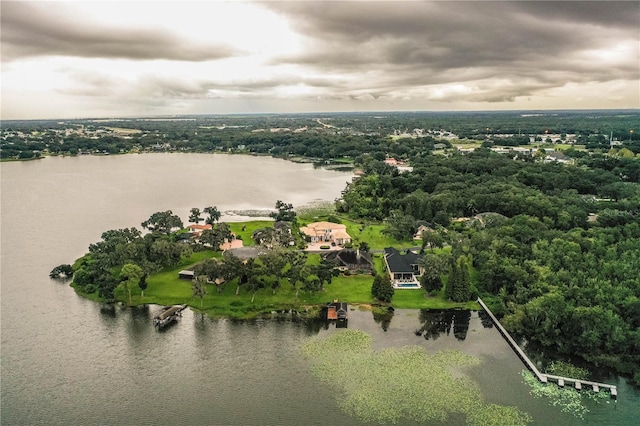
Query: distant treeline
(323, 136)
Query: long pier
(544, 377)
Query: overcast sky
(116, 59)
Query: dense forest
(557, 259)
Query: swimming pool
(407, 285)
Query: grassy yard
(165, 288)
(249, 228)
(372, 235)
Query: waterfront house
(404, 269)
(351, 260)
(197, 229)
(326, 232)
(337, 311)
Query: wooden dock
(168, 315)
(543, 377)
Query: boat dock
(168, 315)
(543, 377)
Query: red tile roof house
(403, 269)
(196, 229)
(326, 232)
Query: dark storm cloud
(605, 14)
(30, 30)
(409, 44)
(493, 30)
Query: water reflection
(485, 319)
(140, 313)
(436, 322)
(383, 318)
(108, 310)
(138, 323)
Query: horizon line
(354, 112)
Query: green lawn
(250, 227)
(372, 235)
(416, 299)
(165, 288)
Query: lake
(67, 360)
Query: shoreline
(166, 288)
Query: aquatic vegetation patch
(402, 383)
(567, 398)
(566, 369)
(497, 415)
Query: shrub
(63, 271)
(333, 219)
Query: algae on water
(402, 383)
(567, 398)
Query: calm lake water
(66, 360)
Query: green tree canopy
(199, 287)
(130, 276)
(213, 215)
(382, 289)
(284, 211)
(194, 215)
(162, 222)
